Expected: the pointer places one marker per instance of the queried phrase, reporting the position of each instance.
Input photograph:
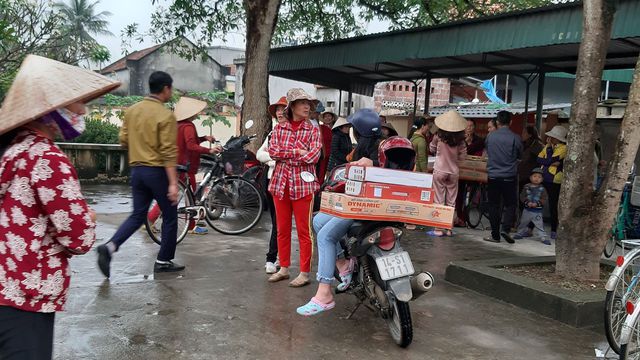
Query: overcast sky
(126, 12)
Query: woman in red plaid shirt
(295, 146)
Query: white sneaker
(270, 268)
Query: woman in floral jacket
(295, 146)
(44, 219)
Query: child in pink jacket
(449, 147)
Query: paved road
(222, 307)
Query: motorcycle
(384, 279)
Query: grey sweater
(504, 150)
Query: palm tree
(81, 23)
(81, 19)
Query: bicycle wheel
(473, 207)
(153, 222)
(610, 246)
(233, 205)
(630, 347)
(625, 289)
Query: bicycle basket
(233, 161)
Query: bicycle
(476, 204)
(626, 220)
(229, 203)
(621, 290)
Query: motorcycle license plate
(395, 266)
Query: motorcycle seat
(182, 168)
(355, 228)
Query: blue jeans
(329, 230)
(149, 183)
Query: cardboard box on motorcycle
(388, 191)
(388, 176)
(359, 208)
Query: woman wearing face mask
(295, 146)
(44, 219)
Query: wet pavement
(222, 307)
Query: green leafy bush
(98, 131)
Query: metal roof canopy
(539, 40)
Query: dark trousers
(148, 184)
(502, 191)
(553, 190)
(272, 255)
(25, 335)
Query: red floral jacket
(44, 220)
(289, 165)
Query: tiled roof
(121, 64)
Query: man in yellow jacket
(149, 131)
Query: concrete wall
(187, 75)
(331, 100)
(123, 77)
(278, 87)
(225, 55)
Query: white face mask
(76, 121)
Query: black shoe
(507, 237)
(169, 267)
(104, 260)
(491, 239)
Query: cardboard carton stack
(474, 168)
(387, 195)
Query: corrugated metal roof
(623, 76)
(517, 43)
(488, 111)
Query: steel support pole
(340, 103)
(427, 95)
(415, 98)
(349, 100)
(540, 100)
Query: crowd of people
(46, 219)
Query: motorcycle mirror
(248, 125)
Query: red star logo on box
(435, 214)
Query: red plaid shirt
(44, 220)
(289, 165)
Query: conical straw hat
(187, 108)
(43, 85)
(340, 122)
(451, 121)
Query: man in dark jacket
(504, 150)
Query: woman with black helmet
(330, 229)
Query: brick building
(399, 94)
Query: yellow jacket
(551, 155)
(150, 132)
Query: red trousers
(302, 210)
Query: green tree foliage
(80, 22)
(37, 27)
(414, 13)
(98, 131)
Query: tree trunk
(262, 16)
(580, 243)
